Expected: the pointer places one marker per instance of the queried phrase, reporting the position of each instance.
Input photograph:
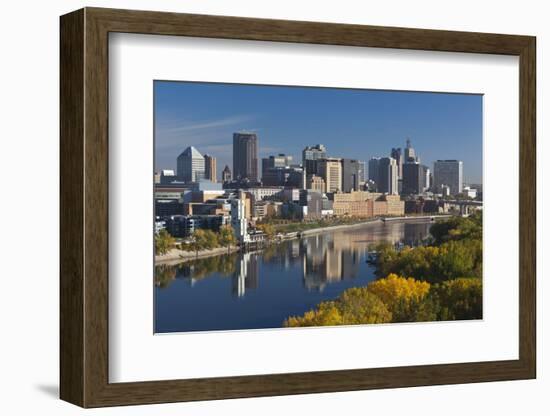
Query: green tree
(458, 228)
(268, 230)
(457, 299)
(211, 240)
(450, 260)
(227, 237)
(199, 241)
(163, 242)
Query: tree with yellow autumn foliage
(402, 296)
(354, 306)
(398, 299)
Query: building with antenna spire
(410, 155)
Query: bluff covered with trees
(438, 282)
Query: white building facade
(448, 173)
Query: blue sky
(355, 124)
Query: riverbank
(408, 218)
(176, 256)
(331, 228)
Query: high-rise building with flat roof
(310, 157)
(210, 171)
(330, 170)
(239, 217)
(448, 173)
(245, 156)
(352, 174)
(415, 178)
(387, 176)
(190, 165)
(374, 163)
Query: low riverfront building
(363, 204)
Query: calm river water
(262, 289)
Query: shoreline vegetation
(168, 252)
(438, 282)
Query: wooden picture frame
(84, 207)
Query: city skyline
(310, 116)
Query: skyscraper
(352, 174)
(448, 173)
(410, 155)
(387, 176)
(330, 170)
(427, 178)
(363, 165)
(373, 169)
(210, 171)
(245, 156)
(239, 221)
(226, 174)
(310, 157)
(190, 165)
(414, 178)
(397, 155)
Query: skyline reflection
(324, 258)
(261, 289)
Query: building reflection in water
(247, 274)
(413, 235)
(323, 258)
(330, 258)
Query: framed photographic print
(255, 207)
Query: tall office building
(374, 164)
(310, 157)
(330, 170)
(239, 220)
(352, 174)
(410, 155)
(448, 173)
(415, 178)
(363, 165)
(398, 156)
(190, 165)
(427, 179)
(210, 171)
(387, 176)
(226, 174)
(279, 161)
(245, 156)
